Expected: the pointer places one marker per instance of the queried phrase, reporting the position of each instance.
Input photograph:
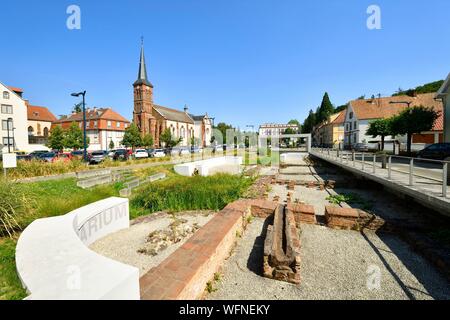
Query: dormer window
(5, 95)
(351, 115)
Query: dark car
(361, 147)
(97, 156)
(48, 156)
(121, 154)
(438, 151)
(78, 154)
(36, 154)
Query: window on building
(109, 124)
(351, 128)
(350, 115)
(7, 109)
(87, 124)
(182, 132)
(30, 131)
(45, 132)
(5, 125)
(95, 124)
(5, 95)
(355, 125)
(118, 124)
(5, 141)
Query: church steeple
(142, 74)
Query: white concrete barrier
(54, 262)
(204, 167)
(292, 157)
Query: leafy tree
(413, 120)
(132, 137)
(56, 138)
(380, 127)
(426, 88)
(340, 108)
(297, 123)
(73, 137)
(111, 145)
(147, 141)
(223, 127)
(325, 110)
(168, 140)
(288, 131)
(78, 107)
(309, 123)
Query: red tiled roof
(379, 108)
(15, 89)
(340, 118)
(95, 114)
(40, 114)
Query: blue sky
(243, 61)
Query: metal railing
(360, 160)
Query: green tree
(325, 110)
(167, 138)
(78, 107)
(147, 141)
(111, 145)
(73, 137)
(413, 120)
(56, 138)
(132, 137)
(380, 127)
(309, 122)
(297, 123)
(223, 127)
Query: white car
(184, 151)
(159, 153)
(140, 154)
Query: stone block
(282, 248)
(94, 181)
(303, 213)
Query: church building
(153, 119)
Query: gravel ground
(335, 265)
(123, 245)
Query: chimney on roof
(186, 108)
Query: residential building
(13, 118)
(443, 94)
(154, 119)
(361, 112)
(331, 132)
(103, 125)
(40, 121)
(274, 129)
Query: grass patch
(351, 198)
(191, 193)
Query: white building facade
(13, 118)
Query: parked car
(159, 153)
(121, 154)
(174, 152)
(48, 156)
(63, 156)
(438, 151)
(37, 153)
(78, 154)
(97, 156)
(140, 154)
(111, 153)
(361, 147)
(184, 151)
(195, 149)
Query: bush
(191, 193)
(13, 202)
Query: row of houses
(26, 127)
(349, 126)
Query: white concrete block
(54, 262)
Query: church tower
(143, 100)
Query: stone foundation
(303, 213)
(282, 248)
(351, 219)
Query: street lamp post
(8, 122)
(84, 122)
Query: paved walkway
(426, 191)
